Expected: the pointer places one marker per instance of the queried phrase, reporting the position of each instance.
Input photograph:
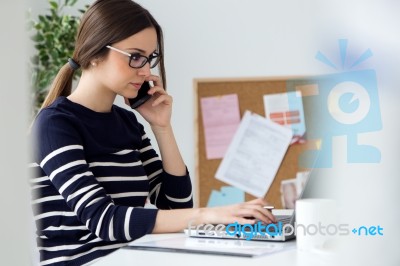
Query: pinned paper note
(221, 118)
(226, 196)
(254, 155)
(287, 110)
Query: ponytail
(61, 86)
(62, 83)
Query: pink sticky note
(221, 118)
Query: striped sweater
(91, 175)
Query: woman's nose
(145, 70)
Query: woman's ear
(96, 61)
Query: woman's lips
(136, 85)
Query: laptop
(282, 230)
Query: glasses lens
(154, 60)
(137, 61)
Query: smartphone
(142, 96)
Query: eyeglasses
(137, 60)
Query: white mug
(316, 223)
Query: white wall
(14, 240)
(236, 38)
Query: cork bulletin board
(250, 93)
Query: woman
(94, 165)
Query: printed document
(255, 154)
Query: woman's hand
(157, 110)
(249, 212)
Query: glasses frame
(154, 56)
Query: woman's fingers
(257, 210)
(160, 95)
(256, 214)
(165, 98)
(244, 220)
(155, 79)
(157, 90)
(249, 212)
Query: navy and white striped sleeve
(60, 152)
(166, 191)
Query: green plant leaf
(42, 19)
(53, 35)
(73, 2)
(53, 4)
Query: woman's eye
(136, 57)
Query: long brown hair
(105, 22)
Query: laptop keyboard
(284, 219)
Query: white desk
(125, 257)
